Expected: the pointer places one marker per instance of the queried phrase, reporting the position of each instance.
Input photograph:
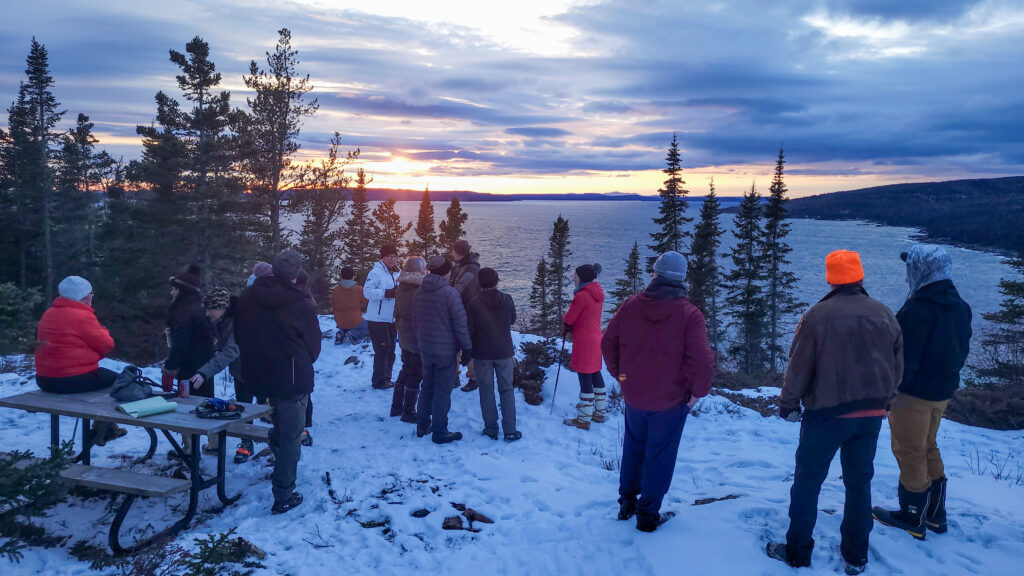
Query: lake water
(511, 237)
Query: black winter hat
(461, 247)
(388, 250)
(287, 264)
(347, 273)
(487, 277)
(588, 272)
(189, 279)
(439, 265)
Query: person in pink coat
(583, 320)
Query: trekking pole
(558, 373)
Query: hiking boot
(513, 436)
(447, 437)
(306, 439)
(599, 417)
(577, 423)
(935, 518)
(410, 418)
(910, 516)
(646, 522)
(293, 500)
(244, 451)
(398, 401)
(853, 569)
(106, 433)
(777, 550)
(470, 386)
(490, 434)
(627, 507)
(386, 385)
(421, 433)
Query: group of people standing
(852, 363)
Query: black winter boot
(397, 401)
(936, 516)
(409, 410)
(646, 522)
(627, 507)
(910, 516)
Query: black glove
(467, 355)
(389, 293)
(789, 415)
(566, 329)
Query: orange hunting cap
(843, 267)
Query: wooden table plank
(101, 406)
(123, 481)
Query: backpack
(130, 385)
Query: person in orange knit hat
(844, 365)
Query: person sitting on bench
(71, 342)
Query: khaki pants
(470, 370)
(914, 423)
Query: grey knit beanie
(671, 266)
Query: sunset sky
(579, 96)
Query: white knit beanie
(74, 288)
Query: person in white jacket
(379, 290)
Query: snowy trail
(551, 495)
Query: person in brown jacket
(845, 363)
(348, 304)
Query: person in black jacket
(190, 338)
(439, 320)
(465, 268)
(407, 388)
(490, 316)
(278, 334)
(936, 326)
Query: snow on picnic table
(552, 495)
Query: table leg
(86, 442)
(222, 441)
(152, 445)
(54, 431)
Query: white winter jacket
(379, 309)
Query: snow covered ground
(552, 495)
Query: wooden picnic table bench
(100, 406)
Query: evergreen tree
(359, 245)
(632, 281)
(705, 274)
(558, 268)
(451, 226)
(744, 287)
(672, 233)
(33, 120)
(389, 227)
(1002, 347)
(321, 201)
(77, 209)
(780, 283)
(543, 322)
(268, 132)
(425, 243)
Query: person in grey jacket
(407, 388)
(439, 319)
(491, 315)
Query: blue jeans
(435, 393)
(856, 440)
(649, 449)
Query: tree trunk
(275, 223)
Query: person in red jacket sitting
(71, 343)
(583, 319)
(657, 347)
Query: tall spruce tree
(705, 273)
(632, 281)
(744, 286)
(389, 226)
(451, 226)
(425, 242)
(321, 201)
(77, 211)
(780, 299)
(672, 234)
(543, 320)
(1001, 359)
(558, 268)
(32, 122)
(359, 245)
(268, 131)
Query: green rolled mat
(147, 407)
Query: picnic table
(99, 405)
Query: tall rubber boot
(936, 516)
(409, 408)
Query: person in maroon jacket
(657, 347)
